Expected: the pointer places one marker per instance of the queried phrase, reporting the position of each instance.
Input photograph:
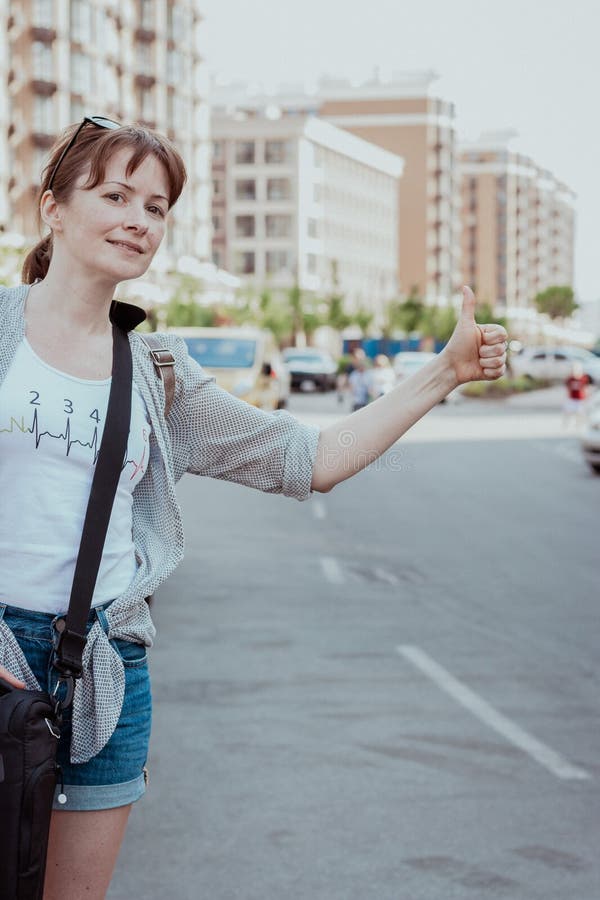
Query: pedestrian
(577, 388)
(382, 377)
(358, 383)
(105, 198)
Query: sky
(525, 65)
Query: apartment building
(405, 118)
(518, 223)
(296, 199)
(131, 60)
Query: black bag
(29, 730)
(30, 721)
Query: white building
(296, 199)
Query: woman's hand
(475, 352)
(5, 674)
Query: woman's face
(117, 227)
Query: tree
(363, 318)
(438, 322)
(409, 314)
(336, 316)
(557, 301)
(183, 308)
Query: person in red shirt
(577, 388)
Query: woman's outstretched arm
(473, 353)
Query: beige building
(518, 223)
(131, 60)
(403, 117)
(297, 199)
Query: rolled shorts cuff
(83, 797)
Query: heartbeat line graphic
(65, 436)
(92, 444)
(20, 426)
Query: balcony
(145, 35)
(144, 80)
(44, 34)
(42, 139)
(43, 87)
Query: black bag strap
(71, 636)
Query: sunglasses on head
(99, 122)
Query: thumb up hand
(476, 352)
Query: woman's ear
(50, 212)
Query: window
(244, 226)
(177, 26)
(177, 111)
(279, 189)
(43, 115)
(278, 226)
(217, 223)
(318, 193)
(41, 58)
(78, 110)
(144, 58)
(147, 14)
(43, 14)
(146, 104)
(81, 73)
(245, 189)
(244, 262)
(218, 186)
(244, 152)
(39, 160)
(218, 150)
(217, 258)
(175, 67)
(311, 263)
(278, 152)
(81, 21)
(277, 261)
(313, 228)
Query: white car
(407, 362)
(555, 363)
(590, 438)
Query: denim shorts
(117, 776)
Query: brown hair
(95, 147)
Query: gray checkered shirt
(208, 432)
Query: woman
(105, 197)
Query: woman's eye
(112, 196)
(159, 211)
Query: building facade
(297, 200)
(131, 60)
(404, 118)
(518, 223)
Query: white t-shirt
(51, 426)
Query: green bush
(503, 387)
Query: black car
(310, 368)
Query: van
(245, 361)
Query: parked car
(310, 368)
(590, 437)
(407, 362)
(555, 363)
(245, 361)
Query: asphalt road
(389, 692)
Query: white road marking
(486, 713)
(332, 569)
(319, 510)
(387, 577)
